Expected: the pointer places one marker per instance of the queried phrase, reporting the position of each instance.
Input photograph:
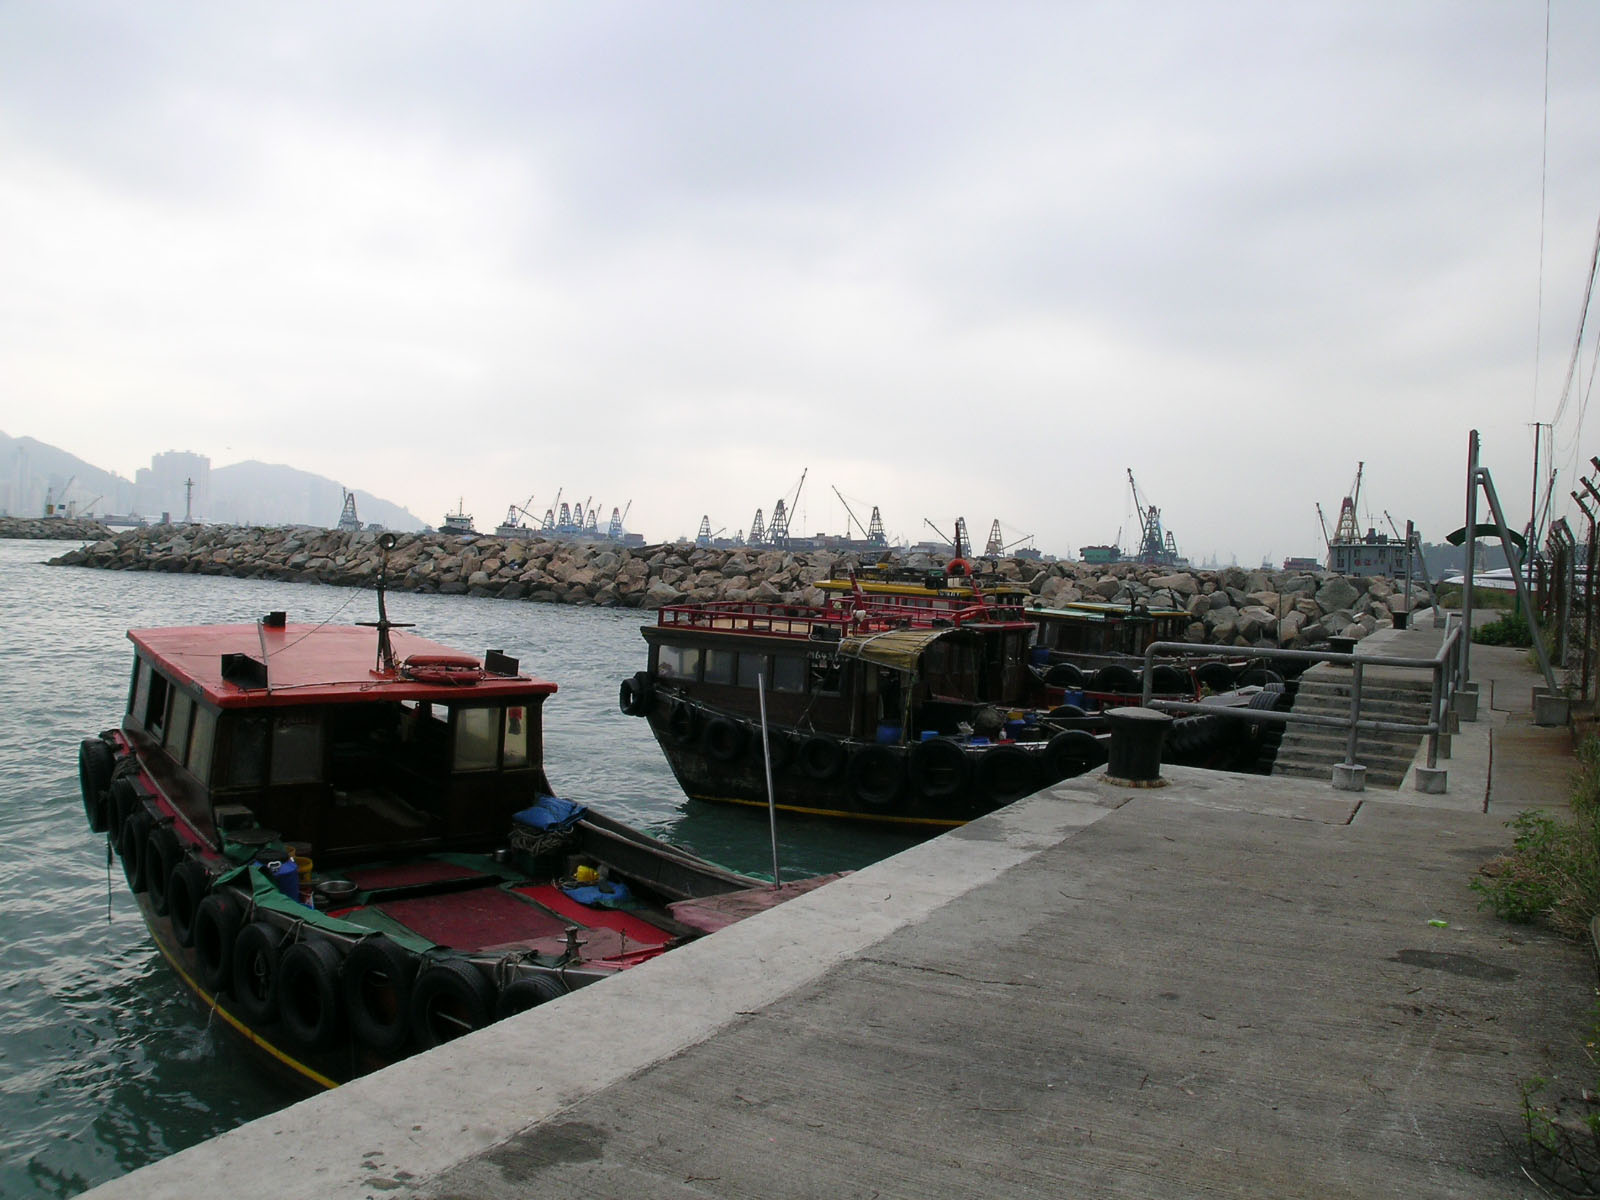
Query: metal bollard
(1137, 735)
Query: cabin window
(789, 673)
(678, 662)
(750, 666)
(824, 673)
(155, 712)
(177, 735)
(247, 752)
(141, 691)
(477, 739)
(200, 744)
(296, 749)
(515, 752)
(720, 666)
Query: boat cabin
(1087, 628)
(887, 671)
(297, 727)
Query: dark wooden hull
(718, 756)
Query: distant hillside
(257, 493)
(33, 473)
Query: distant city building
(177, 484)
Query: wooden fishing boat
(878, 709)
(348, 849)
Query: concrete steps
(1308, 752)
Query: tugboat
(350, 851)
(459, 522)
(881, 710)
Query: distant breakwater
(65, 529)
(1232, 606)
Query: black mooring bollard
(1136, 738)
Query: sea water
(105, 1064)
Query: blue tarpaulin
(550, 813)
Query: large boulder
(1336, 594)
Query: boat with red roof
(347, 847)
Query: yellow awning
(897, 648)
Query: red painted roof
(311, 664)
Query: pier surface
(1231, 985)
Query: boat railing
(870, 614)
(1448, 695)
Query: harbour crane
(961, 542)
(1155, 546)
(778, 528)
(1348, 528)
(865, 532)
(53, 508)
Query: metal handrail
(1443, 666)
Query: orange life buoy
(452, 670)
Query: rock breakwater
(1232, 606)
(64, 529)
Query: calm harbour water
(104, 1064)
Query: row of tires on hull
(319, 988)
(880, 778)
(1165, 679)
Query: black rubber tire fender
(1115, 678)
(162, 855)
(96, 761)
(782, 747)
(877, 777)
(1005, 774)
(217, 920)
(132, 846)
(1073, 752)
(636, 695)
(938, 768)
(682, 721)
(122, 801)
(723, 739)
(1216, 676)
(821, 757)
(450, 999)
(376, 981)
(530, 991)
(308, 994)
(1065, 675)
(1259, 677)
(1168, 680)
(257, 953)
(186, 887)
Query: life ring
(1005, 774)
(682, 721)
(1072, 752)
(162, 854)
(186, 887)
(877, 777)
(723, 740)
(939, 769)
(257, 951)
(131, 845)
(96, 761)
(637, 696)
(308, 993)
(821, 757)
(528, 992)
(216, 925)
(958, 567)
(451, 670)
(451, 998)
(375, 982)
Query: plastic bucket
(888, 735)
(285, 876)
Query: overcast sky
(953, 259)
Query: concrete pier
(1234, 985)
